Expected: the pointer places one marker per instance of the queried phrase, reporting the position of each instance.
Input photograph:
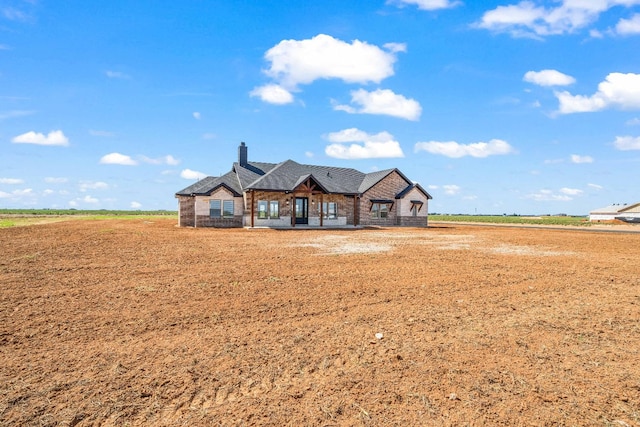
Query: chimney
(243, 155)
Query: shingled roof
(287, 175)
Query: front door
(302, 210)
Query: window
(227, 210)
(214, 209)
(268, 209)
(330, 210)
(416, 205)
(274, 209)
(221, 208)
(379, 210)
(262, 209)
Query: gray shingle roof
(207, 185)
(287, 175)
(406, 191)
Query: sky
(494, 107)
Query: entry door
(302, 210)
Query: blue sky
(528, 107)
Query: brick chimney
(243, 156)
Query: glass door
(302, 210)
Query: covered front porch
(307, 205)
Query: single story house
(290, 194)
(624, 212)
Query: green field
(514, 219)
(20, 217)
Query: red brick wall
(387, 188)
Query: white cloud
(17, 194)
(55, 137)
(629, 26)
(166, 160)
(209, 136)
(23, 192)
(197, 115)
(531, 19)
(55, 180)
(273, 94)
(14, 14)
(627, 143)
(571, 191)
(633, 122)
(15, 113)
(48, 192)
(11, 181)
(456, 150)
(366, 146)
(89, 199)
(426, 4)
(548, 78)
(296, 62)
(595, 186)
(451, 189)
(575, 158)
(91, 185)
(308, 154)
(135, 205)
(382, 101)
(191, 174)
(618, 90)
(116, 75)
(595, 34)
(548, 196)
(117, 159)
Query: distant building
(289, 194)
(624, 212)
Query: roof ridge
(269, 173)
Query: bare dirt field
(131, 322)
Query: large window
(227, 210)
(262, 209)
(221, 208)
(330, 210)
(268, 209)
(215, 209)
(379, 210)
(274, 209)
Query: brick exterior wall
(186, 211)
(349, 207)
(412, 221)
(387, 188)
(189, 218)
(287, 203)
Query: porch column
(355, 211)
(321, 210)
(252, 208)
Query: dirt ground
(131, 322)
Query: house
(624, 212)
(290, 194)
